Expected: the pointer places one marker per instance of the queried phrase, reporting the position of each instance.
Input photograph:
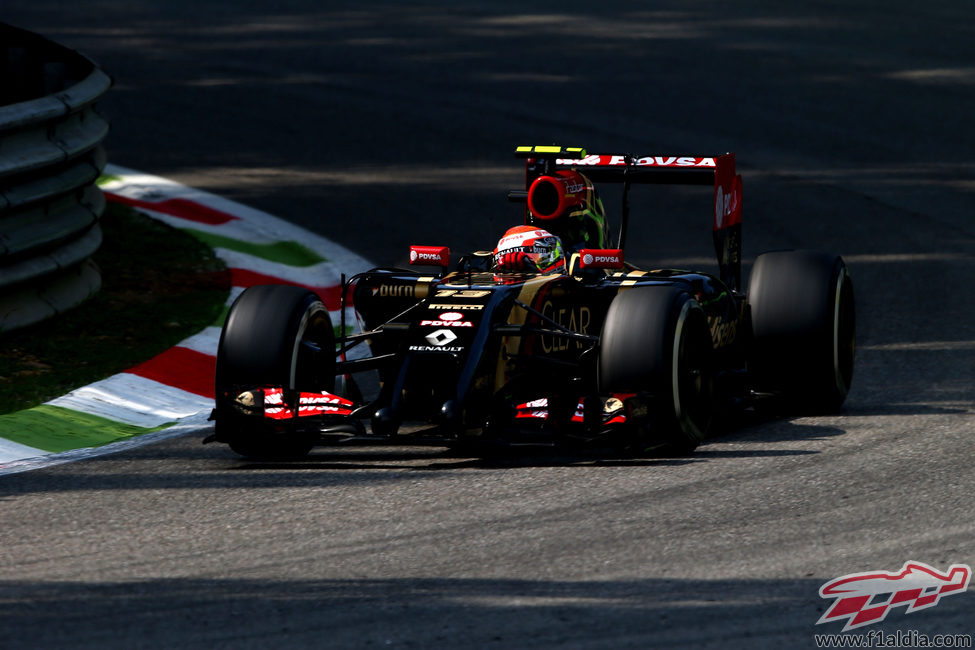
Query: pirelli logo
(447, 307)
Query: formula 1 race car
(587, 350)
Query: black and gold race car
(596, 351)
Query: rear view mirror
(601, 258)
(430, 255)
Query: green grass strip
(221, 317)
(56, 429)
(105, 179)
(283, 252)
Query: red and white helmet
(525, 247)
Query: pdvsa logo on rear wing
(597, 160)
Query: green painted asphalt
(56, 429)
(283, 252)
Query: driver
(529, 249)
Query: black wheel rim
(693, 374)
(314, 342)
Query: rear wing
(716, 171)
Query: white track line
(135, 400)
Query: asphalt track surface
(380, 126)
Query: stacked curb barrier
(51, 140)
(172, 393)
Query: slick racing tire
(656, 340)
(803, 329)
(274, 336)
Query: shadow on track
(430, 612)
(499, 458)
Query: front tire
(655, 339)
(803, 329)
(274, 336)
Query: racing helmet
(528, 248)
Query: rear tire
(803, 329)
(656, 339)
(274, 336)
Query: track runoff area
(172, 393)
